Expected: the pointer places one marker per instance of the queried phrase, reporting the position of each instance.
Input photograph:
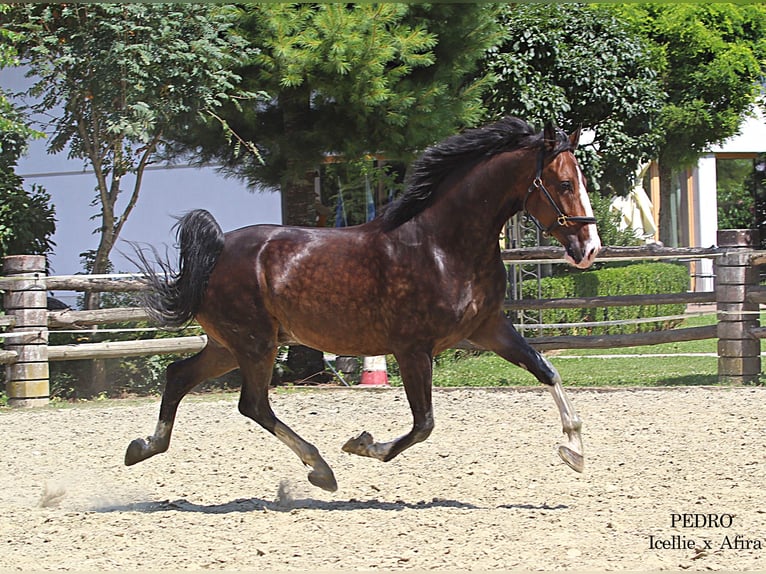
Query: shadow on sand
(260, 504)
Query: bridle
(562, 219)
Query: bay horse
(423, 276)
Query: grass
(490, 371)
(626, 367)
(701, 346)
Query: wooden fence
(737, 297)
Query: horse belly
(342, 334)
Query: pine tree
(348, 79)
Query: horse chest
(469, 304)
(461, 302)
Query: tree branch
(95, 158)
(230, 133)
(143, 162)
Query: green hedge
(636, 279)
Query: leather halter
(562, 219)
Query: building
(695, 194)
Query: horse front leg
(180, 378)
(500, 336)
(416, 370)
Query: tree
(26, 218)
(349, 79)
(581, 66)
(115, 77)
(712, 64)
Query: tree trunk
(298, 201)
(666, 197)
(297, 185)
(299, 208)
(305, 365)
(97, 383)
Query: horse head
(557, 201)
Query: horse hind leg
(180, 378)
(254, 403)
(501, 337)
(416, 370)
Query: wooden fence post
(739, 352)
(27, 383)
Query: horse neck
(476, 206)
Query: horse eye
(566, 186)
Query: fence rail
(119, 349)
(612, 301)
(737, 297)
(70, 319)
(612, 253)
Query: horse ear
(549, 135)
(574, 138)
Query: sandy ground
(485, 492)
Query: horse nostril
(574, 253)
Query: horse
(423, 276)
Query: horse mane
(439, 161)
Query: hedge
(635, 279)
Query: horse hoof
(324, 480)
(136, 451)
(575, 460)
(358, 445)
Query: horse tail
(175, 297)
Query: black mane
(439, 160)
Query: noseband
(562, 219)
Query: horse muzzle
(582, 253)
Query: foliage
(712, 62)
(712, 59)
(642, 278)
(736, 200)
(757, 183)
(348, 186)
(348, 80)
(115, 77)
(27, 219)
(609, 223)
(127, 376)
(11, 120)
(580, 65)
